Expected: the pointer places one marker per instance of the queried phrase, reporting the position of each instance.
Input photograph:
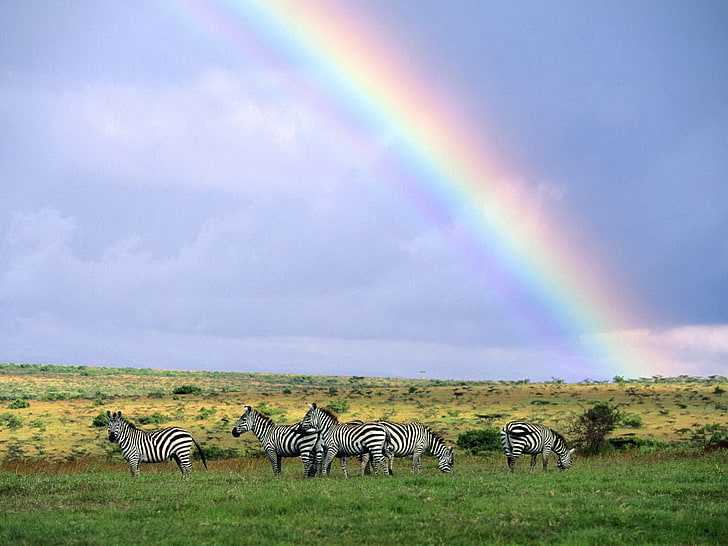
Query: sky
(471, 190)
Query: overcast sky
(179, 189)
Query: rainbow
(447, 172)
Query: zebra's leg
(417, 462)
(343, 467)
(533, 461)
(134, 466)
(329, 455)
(545, 457)
(275, 461)
(183, 462)
(365, 457)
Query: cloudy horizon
(178, 198)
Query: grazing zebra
(279, 440)
(415, 439)
(345, 439)
(153, 446)
(518, 437)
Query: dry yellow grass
(62, 429)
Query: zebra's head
(564, 462)
(313, 421)
(114, 425)
(243, 424)
(446, 460)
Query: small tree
(591, 427)
(480, 442)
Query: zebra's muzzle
(112, 437)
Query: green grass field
(616, 500)
(62, 482)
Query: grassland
(47, 412)
(62, 482)
(651, 499)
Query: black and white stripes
(519, 437)
(152, 446)
(279, 440)
(345, 439)
(414, 440)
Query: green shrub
(632, 421)
(11, 421)
(101, 420)
(204, 413)
(635, 442)
(338, 406)
(187, 389)
(155, 418)
(591, 427)
(19, 404)
(480, 441)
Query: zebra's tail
(202, 453)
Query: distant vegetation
(56, 411)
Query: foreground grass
(617, 501)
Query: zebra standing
(153, 446)
(415, 439)
(519, 437)
(279, 440)
(345, 439)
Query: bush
(592, 427)
(635, 442)
(11, 421)
(101, 420)
(480, 441)
(338, 406)
(187, 389)
(155, 418)
(19, 404)
(632, 421)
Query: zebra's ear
(572, 451)
(311, 406)
(247, 409)
(108, 413)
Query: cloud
(220, 131)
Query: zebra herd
(319, 437)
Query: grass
(62, 482)
(46, 412)
(615, 500)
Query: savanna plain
(62, 482)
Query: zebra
(279, 440)
(415, 439)
(153, 446)
(519, 437)
(345, 439)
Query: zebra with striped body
(279, 440)
(153, 446)
(415, 439)
(345, 439)
(518, 437)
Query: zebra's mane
(264, 418)
(131, 425)
(560, 437)
(330, 413)
(436, 435)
